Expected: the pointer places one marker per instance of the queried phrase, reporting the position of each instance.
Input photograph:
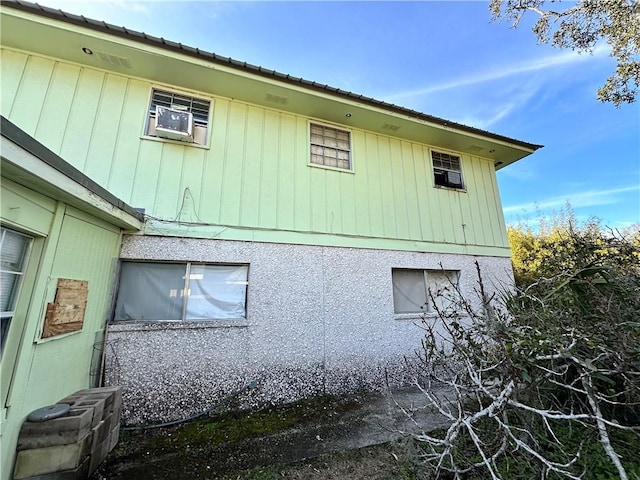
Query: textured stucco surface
(319, 319)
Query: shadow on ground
(223, 446)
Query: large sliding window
(14, 248)
(179, 291)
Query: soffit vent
(475, 148)
(276, 99)
(113, 60)
(389, 126)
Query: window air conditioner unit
(174, 124)
(454, 179)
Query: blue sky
(442, 58)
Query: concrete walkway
(380, 419)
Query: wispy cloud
(550, 61)
(587, 198)
(489, 114)
(521, 171)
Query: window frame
(310, 144)
(148, 132)
(19, 281)
(442, 169)
(430, 311)
(187, 267)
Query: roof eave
(525, 148)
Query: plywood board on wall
(66, 313)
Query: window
(14, 248)
(197, 107)
(413, 289)
(446, 170)
(330, 147)
(178, 291)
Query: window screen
(166, 291)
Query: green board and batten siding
(254, 181)
(67, 243)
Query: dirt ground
(379, 462)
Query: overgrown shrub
(545, 382)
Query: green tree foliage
(560, 244)
(581, 26)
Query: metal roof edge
(160, 42)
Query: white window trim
(461, 171)
(198, 95)
(336, 127)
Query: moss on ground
(219, 435)
(237, 426)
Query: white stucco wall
(319, 320)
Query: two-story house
(291, 229)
